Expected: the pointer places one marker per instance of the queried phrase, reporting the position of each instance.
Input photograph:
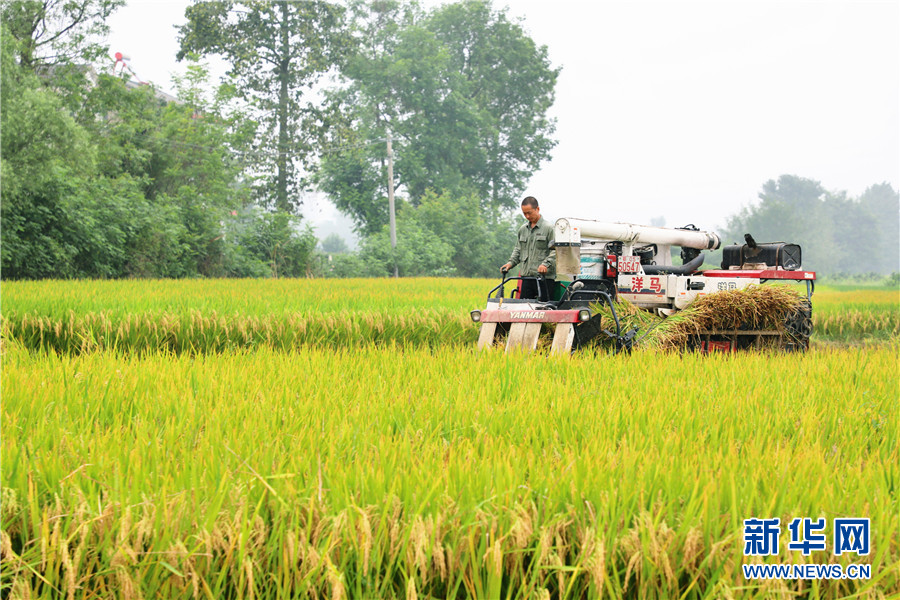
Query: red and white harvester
(600, 262)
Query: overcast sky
(678, 109)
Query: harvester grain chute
(601, 264)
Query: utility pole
(390, 153)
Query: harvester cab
(599, 263)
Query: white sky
(676, 109)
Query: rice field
(198, 446)
(218, 315)
(856, 315)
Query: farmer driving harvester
(534, 250)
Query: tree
(58, 32)
(826, 224)
(267, 244)
(791, 209)
(277, 52)
(180, 156)
(479, 244)
(117, 184)
(195, 168)
(334, 244)
(67, 209)
(464, 93)
(419, 252)
(882, 203)
(848, 219)
(44, 155)
(510, 80)
(444, 235)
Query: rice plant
(396, 471)
(213, 316)
(308, 439)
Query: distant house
(53, 71)
(133, 84)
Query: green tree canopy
(334, 244)
(463, 90)
(444, 234)
(57, 32)
(103, 179)
(277, 52)
(44, 155)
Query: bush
(266, 244)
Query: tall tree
(510, 81)
(464, 92)
(277, 52)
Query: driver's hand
(505, 268)
(542, 269)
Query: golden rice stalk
(630, 546)
(693, 548)
(21, 590)
(248, 572)
(440, 561)
(336, 581)
(522, 528)
(754, 307)
(415, 550)
(364, 532)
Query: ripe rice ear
(754, 307)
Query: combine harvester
(600, 263)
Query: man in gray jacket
(534, 250)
